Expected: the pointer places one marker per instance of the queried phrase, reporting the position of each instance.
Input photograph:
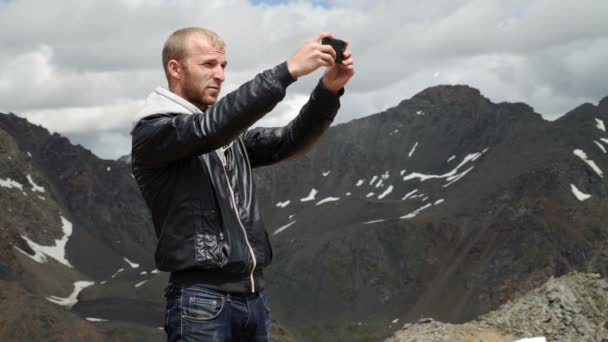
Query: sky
(83, 68)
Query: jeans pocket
(202, 306)
(263, 298)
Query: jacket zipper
(238, 217)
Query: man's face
(203, 72)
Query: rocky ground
(570, 308)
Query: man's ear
(175, 69)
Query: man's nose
(219, 74)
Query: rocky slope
(573, 307)
(58, 231)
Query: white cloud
(83, 76)
(85, 119)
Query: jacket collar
(162, 101)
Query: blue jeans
(196, 313)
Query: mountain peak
(578, 114)
(603, 105)
(450, 93)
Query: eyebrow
(211, 59)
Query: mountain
(573, 307)
(445, 206)
(72, 222)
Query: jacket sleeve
(266, 146)
(162, 138)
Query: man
(192, 158)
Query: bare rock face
(573, 307)
(42, 321)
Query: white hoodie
(162, 101)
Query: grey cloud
(92, 55)
(106, 144)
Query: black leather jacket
(195, 173)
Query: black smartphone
(338, 46)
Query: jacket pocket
(211, 247)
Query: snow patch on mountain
(371, 182)
(373, 221)
(93, 319)
(457, 177)
(328, 199)
(310, 197)
(581, 196)
(9, 183)
(409, 194)
(600, 124)
(116, 273)
(386, 192)
(413, 150)
(72, 299)
(600, 146)
(35, 187)
(452, 176)
(141, 283)
(56, 251)
(282, 228)
(581, 154)
(131, 263)
(415, 212)
(283, 204)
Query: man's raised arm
(266, 146)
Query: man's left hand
(336, 77)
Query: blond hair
(176, 46)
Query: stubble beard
(194, 94)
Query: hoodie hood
(162, 101)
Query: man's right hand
(311, 56)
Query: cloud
(108, 144)
(86, 119)
(83, 67)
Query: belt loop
(228, 297)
